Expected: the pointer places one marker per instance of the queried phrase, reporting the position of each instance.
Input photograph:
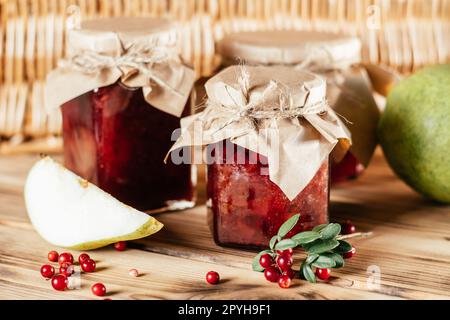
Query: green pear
(414, 131)
(70, 212)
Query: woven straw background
(402, 34)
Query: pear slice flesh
(69, 212)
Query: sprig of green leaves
(322, 245)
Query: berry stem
(355, 235)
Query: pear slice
(70, 212)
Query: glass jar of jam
(334, 56)
(268, 133)
(246, 208)
(117, 129)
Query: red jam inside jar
(246, 209)
(348, 169)
(116, 140)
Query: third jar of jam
(337, 58)
(122, 91)
(268, 134)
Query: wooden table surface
(410, 247)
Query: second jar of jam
(268, 133)
(337, 58)
(122, 91)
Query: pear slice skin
(150, 227)
(71, 201)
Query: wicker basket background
(402, 34)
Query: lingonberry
(212, 277)
(59, 282)
(288, 252)
(88, 265)
(272, 274)
(323, 273)
(133, 273)
(284, 262)
(266, 260)
(66, 269)
(53, 256)
(350, 254)
(284, 281)
(65, 257)
(348, 227)
(47, 271)
(98, 289)
(290, 273)
(82, 257)
(120, 246)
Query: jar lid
(303, 89)
(276, 111)
(110, 35)
(290, 47)
(138, 52)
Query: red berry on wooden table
(88, 265)
(288, 252)
(284, 281)
(53, 256)
(66, 269)
(47, 271)
(98, 289)
(348, 228)
(82, 257)
(266, 261)
(284, 262)
(323, 273)
(120, 246)
(212, 277)
(290, 273)
(272, 274)
(59, 282)
(65, 257)
(350, 254)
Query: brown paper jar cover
(122, 90)
(140, 52)
(334, 56)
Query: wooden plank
(164, 277)
(410, 246)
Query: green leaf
(319, 227)
(288, 225)
(321, 246)
(311, 258)
(343, 247)
(324, 262)
(306, 237)
(255, 265)
(285, 244)
(273, 241)
(330, 231)
(307, 272)
(339, 261)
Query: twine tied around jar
(136, 59)
(277, 112)
(253, 111)
(166, 82)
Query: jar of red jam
(268, 133)
(122, 91)
(246, 208)
(337, 58)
